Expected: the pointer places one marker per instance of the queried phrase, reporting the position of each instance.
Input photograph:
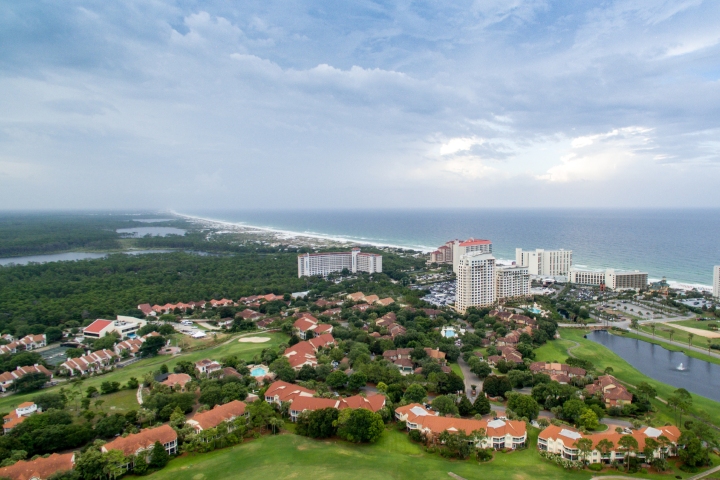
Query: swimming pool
(535, 310)
(259, 371)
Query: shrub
(415, 436)
(595, 467)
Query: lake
(69, 256)
(699, 377)
(152, 231)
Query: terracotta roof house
(613, 393)
(404, 364)
(17, 416)
(132, 346)
(177, 381)
(371, 402)
(410, 414)
(280, 391)
(558, 372)
(308, 323)
(9, 348)
(40, 468)
(248, 314)
(385, 302)
(146, 309)
(220, 413)
(332, 312)
(356, 297)
(207, 366)
(436, 354)
(431, 313)
(222, 303)
(141, 444)
(7, 378)
(91, 363)
(302, 404)
(561, 440)
(264, 324)
(31, 342)
(371, 299)
(362, 307)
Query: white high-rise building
(470, 245)
(541, 262)
(475, 281)
(511, 282)
(716, 282)
(611, 278)
(310, 264)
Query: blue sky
(359, 104)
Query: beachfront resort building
(546, 263)
(511, 281)
(123, 326)
(610, 278)
(716, 281)
(310, 264)
(443, 254)
(470, 245)
(475, 281)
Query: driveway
(470, 379)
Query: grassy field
(696, 324)
(393, 457)
(602, 357)
(680, 336)
(245, 351)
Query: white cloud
(455, 145)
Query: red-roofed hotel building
(310, 264)
(470, 245)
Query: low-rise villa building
(562, 440)
(17, 416)
(7, 378)
(141, 444)
(499, 434)
(93, 362)
(612, 392)
(39, 469)
(220, 413)
(558, 372)
(207, 366)
(279, 392)
(177, 381)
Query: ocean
(682, 245)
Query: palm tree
(671, 332)
(709, 340)
(690, 338)
(652, 327)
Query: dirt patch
(696, 331)
(253, 340)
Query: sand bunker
(696, 331)
(253, 340)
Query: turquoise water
(449, 333)
(679, 244)
(258, 371)
(535, 310)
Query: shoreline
(281, 234)
(289, 234)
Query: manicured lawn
(697, 324)
(602, 357)
(394, 457)
(245, 351)
(456, 369)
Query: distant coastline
(324, 240)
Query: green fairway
(602, 357)
(704, 325)
(290, 456)
(681, 336)
(660, 337)
(245, 351)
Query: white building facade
(460, 248)
(551, 263)
(611, 278)
(511, 282)
(716, 281)
(475, 281)
(310, 264)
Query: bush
(415, 436)
(484, 454)
(595, 467)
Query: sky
(359, 104)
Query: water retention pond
(673, 368)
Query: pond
(673, 368)
(152, 231)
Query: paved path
(469, 379)
(694, 477)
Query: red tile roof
(474, 241)
(40, 468)
(145, 439)
(97, 326)
(221, 413)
